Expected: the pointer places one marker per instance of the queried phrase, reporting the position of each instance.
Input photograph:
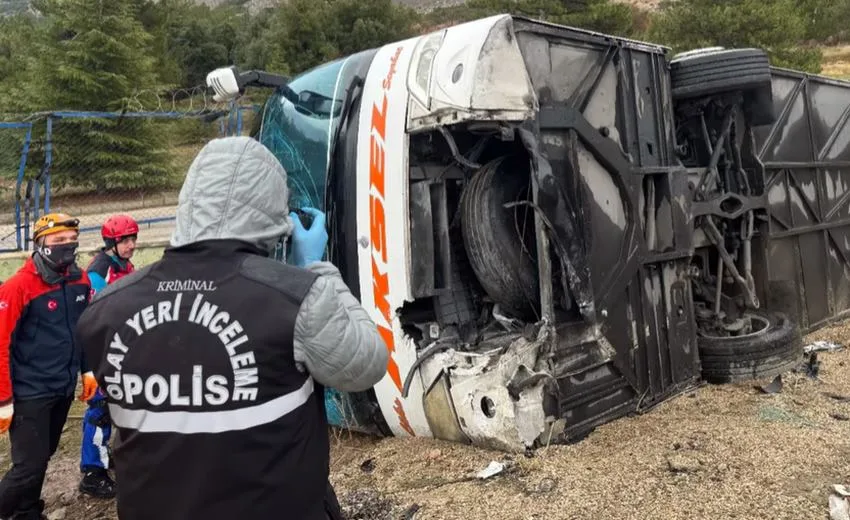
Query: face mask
(60, 256)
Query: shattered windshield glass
(299, 122)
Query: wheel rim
(758, 325)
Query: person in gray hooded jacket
(214, 358)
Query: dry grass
(721, 452)
(836, 61)
(650, 5)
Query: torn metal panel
(475, 73)
(489, 414)
(442, 413)
(576, 355)
(564, 222)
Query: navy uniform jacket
(39, 356)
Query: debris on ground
(366, 504)
(838, 397)
(57, 514)
(839, 503)
(493, 469)
(823, 346)
(434, 454)
(547, 485)
(812, 367)
(679, 463)
(410, 512)
(368, 466)
(774, 387)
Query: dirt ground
(719, 452)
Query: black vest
(214, 418)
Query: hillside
(417, 4)
(10, 7)
(836, 59)
(253, 5)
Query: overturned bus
(553, 228)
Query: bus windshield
(299, 122)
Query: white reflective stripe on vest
(211, 422)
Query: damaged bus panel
(552, 228)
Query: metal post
(231, 118)
(27, 201)
(19, 182)
(35, 201)
(544, 262)
(48, 162)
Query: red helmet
(118, 226)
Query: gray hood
(235, 189)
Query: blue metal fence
(92, 164)
(16, 139)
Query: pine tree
(15, 62)
(14, 70)
(191, 39)
(605, 16)
(778, 26)
(826, 20)
(94, 56)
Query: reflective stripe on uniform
(102, 450)
(211, 422)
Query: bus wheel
(707, 72)
(770, 346)
(499, 240)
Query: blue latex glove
(308, 245)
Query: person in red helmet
(119, 234)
